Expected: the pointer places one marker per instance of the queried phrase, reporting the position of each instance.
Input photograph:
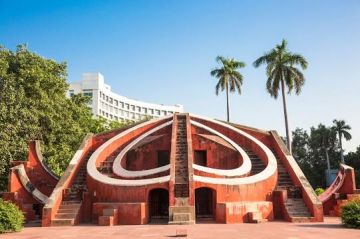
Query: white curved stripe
(119, 170)
(240, 171)
(96, 175)
(269, 170)
(25, 181)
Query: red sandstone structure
(179, 169)
(340, 191)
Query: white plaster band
(96, 175)
(119, 170)
(240, 171)
(25, 181)
(270, 169)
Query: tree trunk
(341, 149)
(327, 159)
(288, 140)
(227, 103)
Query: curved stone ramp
(238, 172)
(344, 183)
(98, 176)
(26, 183)
(344, 171)
(267, 172)
(242, 170)
(40, 158)
(119, 170)
(270, 169)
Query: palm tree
(229, 78)
(281, 72)
(342, 129)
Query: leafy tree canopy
(309, 150)
(33, 106)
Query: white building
(112, 106)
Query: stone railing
(55, 199)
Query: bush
(350, 213)
(11, 217)
(319, 191)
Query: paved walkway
(330, 229)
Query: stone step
(68, 210)
(65, 215)
(301, 219)
(69, 206)
(62, 222)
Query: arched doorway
(205, 199)
(158, 205)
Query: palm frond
(297, 59)
(347, 135)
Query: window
(71, 93)
(200, 157)
(144, 110)
(90, 94)
(157, 112)
(122, 104)
(151, 111)
(164, 112)
(127, 106)
(163, 157)
(133, 107)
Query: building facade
(105, 103)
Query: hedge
(350, 213)
(11, 217)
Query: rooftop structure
(112, 106)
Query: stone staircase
(256, 164)
(295, 206)
(106, 166)
(68, 212)
(181, 213)
(181, 159)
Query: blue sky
(163, 50)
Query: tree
(342, 129)
(353, 159)
(230, 79)
(326, 137)
(281, 71)
(33, 106)
(314, 152)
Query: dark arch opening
(205, 203)
(159, 205)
